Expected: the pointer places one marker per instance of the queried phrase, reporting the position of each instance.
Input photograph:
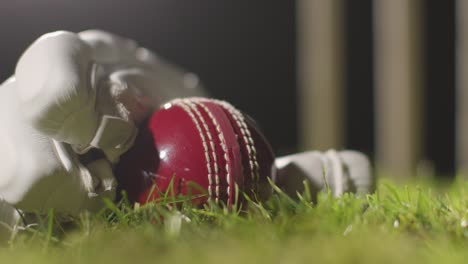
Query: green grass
(425, 223)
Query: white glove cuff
(336, 175)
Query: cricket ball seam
(211, 145)
(197, 125)
(222, 143)
(248, 140)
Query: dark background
(244, 52)
(439, 53)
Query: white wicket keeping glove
(56, 82)
(70, 187)
(342, 171)
(109, 48)
(119, 53)
(38, 173)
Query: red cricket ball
(197, 146)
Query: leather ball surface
(201, 148)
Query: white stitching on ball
(188, 110)
(199, 102)
(193, 106)
(248, 140)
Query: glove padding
(342, 171)
(38, 173)
(71, 187)
(54, 88)
(57, 87)
(109, 48)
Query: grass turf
(425, 223)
